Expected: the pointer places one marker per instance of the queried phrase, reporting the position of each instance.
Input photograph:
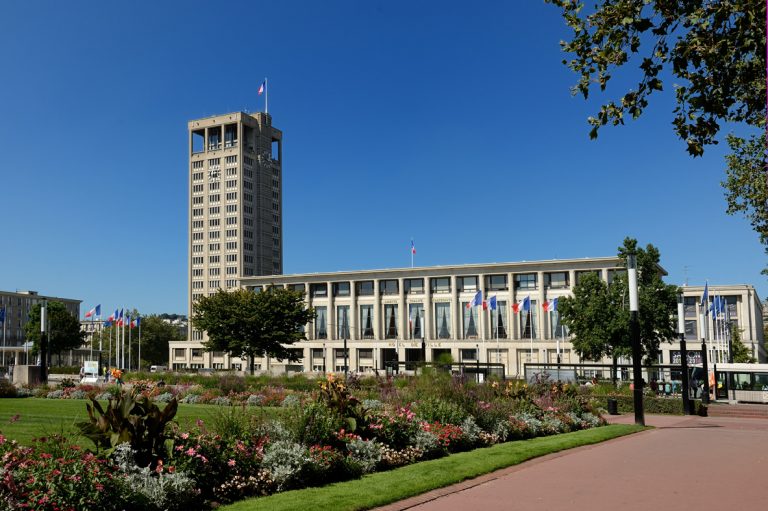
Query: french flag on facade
(522, 306)
(95, 312)
(477, 300)
(492, 303)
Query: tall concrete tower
(235, 206)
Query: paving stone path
(685, 463)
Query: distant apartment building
(17, 307)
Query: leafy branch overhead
(716, 48)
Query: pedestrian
(82, 372)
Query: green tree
(64, 330)
(155, 336)
(244, 323)
(597, 314)
(741, 354)
(713, 49)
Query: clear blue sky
(448, 122)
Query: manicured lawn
(386, 487)
(43, 417)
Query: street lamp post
(43, 342)
(683, 354)
(324, 357)
(634, 333)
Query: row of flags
(118, 318)
(523, 305)
(716, 307)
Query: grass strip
(383, 488)
(43, 417)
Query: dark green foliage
(7, 389)
(64, 334)
(741, 353)
(665, 406)
(244, 323)
(133, 418)
(598, 314)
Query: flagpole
(266, 96)
(530, 310)
(130, 337)
(93, 326)
(139, 321)
(4, 320)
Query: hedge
(659, 405)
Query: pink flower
(190, 452)
(231, 463)
(184, 436)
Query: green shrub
(439, 410)
(663, 406)
(7, 388)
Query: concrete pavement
(686, 462)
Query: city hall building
(386, 315)
(383, 316)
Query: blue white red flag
(477, 300)
(413, 248)
(492, 303)
(95, 312)
(262, 87)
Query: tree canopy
(741, 354)
(714, 50)
(64, 333)
(244, 323)
(597, 315)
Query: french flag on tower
(262, 87)
(95, 312)
(413, 248)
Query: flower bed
(324, 435)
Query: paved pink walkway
(685, 463)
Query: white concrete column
(404, 331)
(332, 323)
(377, 320)
(540, 312)
(483, 313)
(308, 327)
(455, 309)
(427, 326)
(354, 331)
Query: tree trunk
(614, 370)
(251, 357)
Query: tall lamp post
(634, 333)
(683, 354)
(43, 343)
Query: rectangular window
(296, 287)
(443, 320)
(341, 289)
(466, 284)
(499, 321)
(197, 352)
(528, 322)
(366, 321)
(365, 288)
(496, 283)
(413, 286)
(388, 287)
(321, 323)
(525, 281)
(556, 280)
(469, 321)
(214, 259)
(318, 290)
(342, 321)
(440, 285)
(416, 320)
(179, 353)
(390, 321)
(557, 329)
(689, 304)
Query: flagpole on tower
(266, 96)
